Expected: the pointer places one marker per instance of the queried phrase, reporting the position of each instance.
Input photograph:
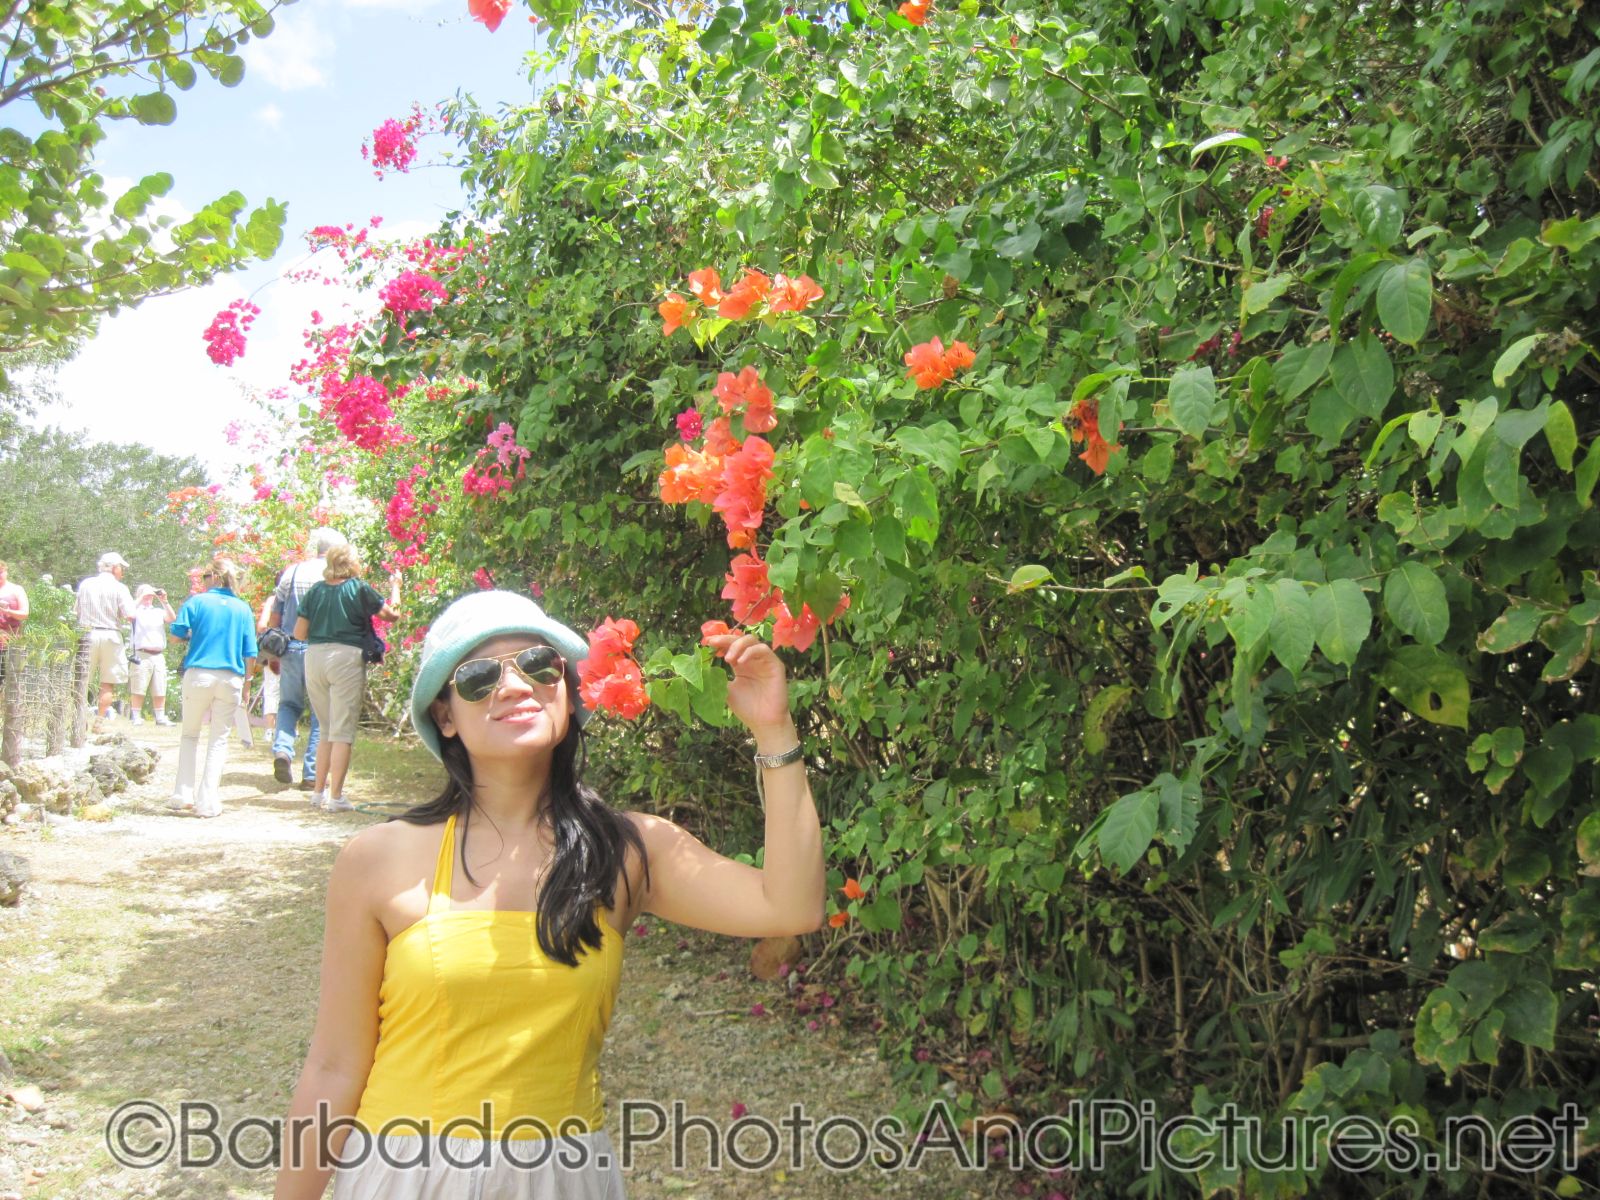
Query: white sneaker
(318, 801)
(163, 719)
(176, 805)
(338, 804)
(136, 719)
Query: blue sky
(330, 73)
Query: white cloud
(271, 116)
(294, 55)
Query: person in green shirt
(335, 617)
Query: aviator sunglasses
(476, 679)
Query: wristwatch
(790, 755)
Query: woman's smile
(522, 714)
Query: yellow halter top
(473, 1012)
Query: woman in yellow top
(473, 947)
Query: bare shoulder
(389, 851)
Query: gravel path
(175, 960)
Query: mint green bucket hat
(467, 624)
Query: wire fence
(43, 706)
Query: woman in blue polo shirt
(221, 632)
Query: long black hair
(591, 840)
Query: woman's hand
(758, 694)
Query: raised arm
(694, 885)
(346, 1032)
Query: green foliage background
(1260, 769)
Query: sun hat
(143, 590)
(110, 559)
(466, 625)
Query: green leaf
(1429, 683)
(155, 108)
(1416, 603)
(1292, 634)
(1364, 376)
(1405, 300)
(1379, 216)
(1530, 1012)
(1342, 617)
(1259, 296)
(1511, 358)
(1128, 828)
(1300, 367)
(1100, 712)
(1588, 840)
(939, 444)
(30, 266)
(918, 502)
(827, 148)
(1562, 434)
(1027, 578)
(1230, 137)
(1192, 395)
(1513, 628)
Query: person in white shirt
(148, 671)
(104, 605)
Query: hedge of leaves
(1211, 719)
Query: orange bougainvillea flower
(711, 629)
(750, 590)
(916, 11)
(793, 295)
(745, 295)
(706, 284)
(743, 497)
(960, 356)
(490, 12)
(720, 441)
(838, 919)
(690, 475)
(1084, 425)
(612, 639)
(621, 692)
(608, 680)
(852, 890)
(800, 631)
(746, 391)
(676, 311)
(931, 364)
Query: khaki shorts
(336, 679)
(106, 659)
(148, 674)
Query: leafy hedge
(1258, 768)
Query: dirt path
(171, 959)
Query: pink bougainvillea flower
(690, 425)
(743, 497)
(483, 579)
(746, 391)
(793, 295)
(746, 584)
(490, 12)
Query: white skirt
(407, 1167)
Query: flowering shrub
(1209, 717)
(224, 337)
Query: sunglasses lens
(477, 679)
(542, 664)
